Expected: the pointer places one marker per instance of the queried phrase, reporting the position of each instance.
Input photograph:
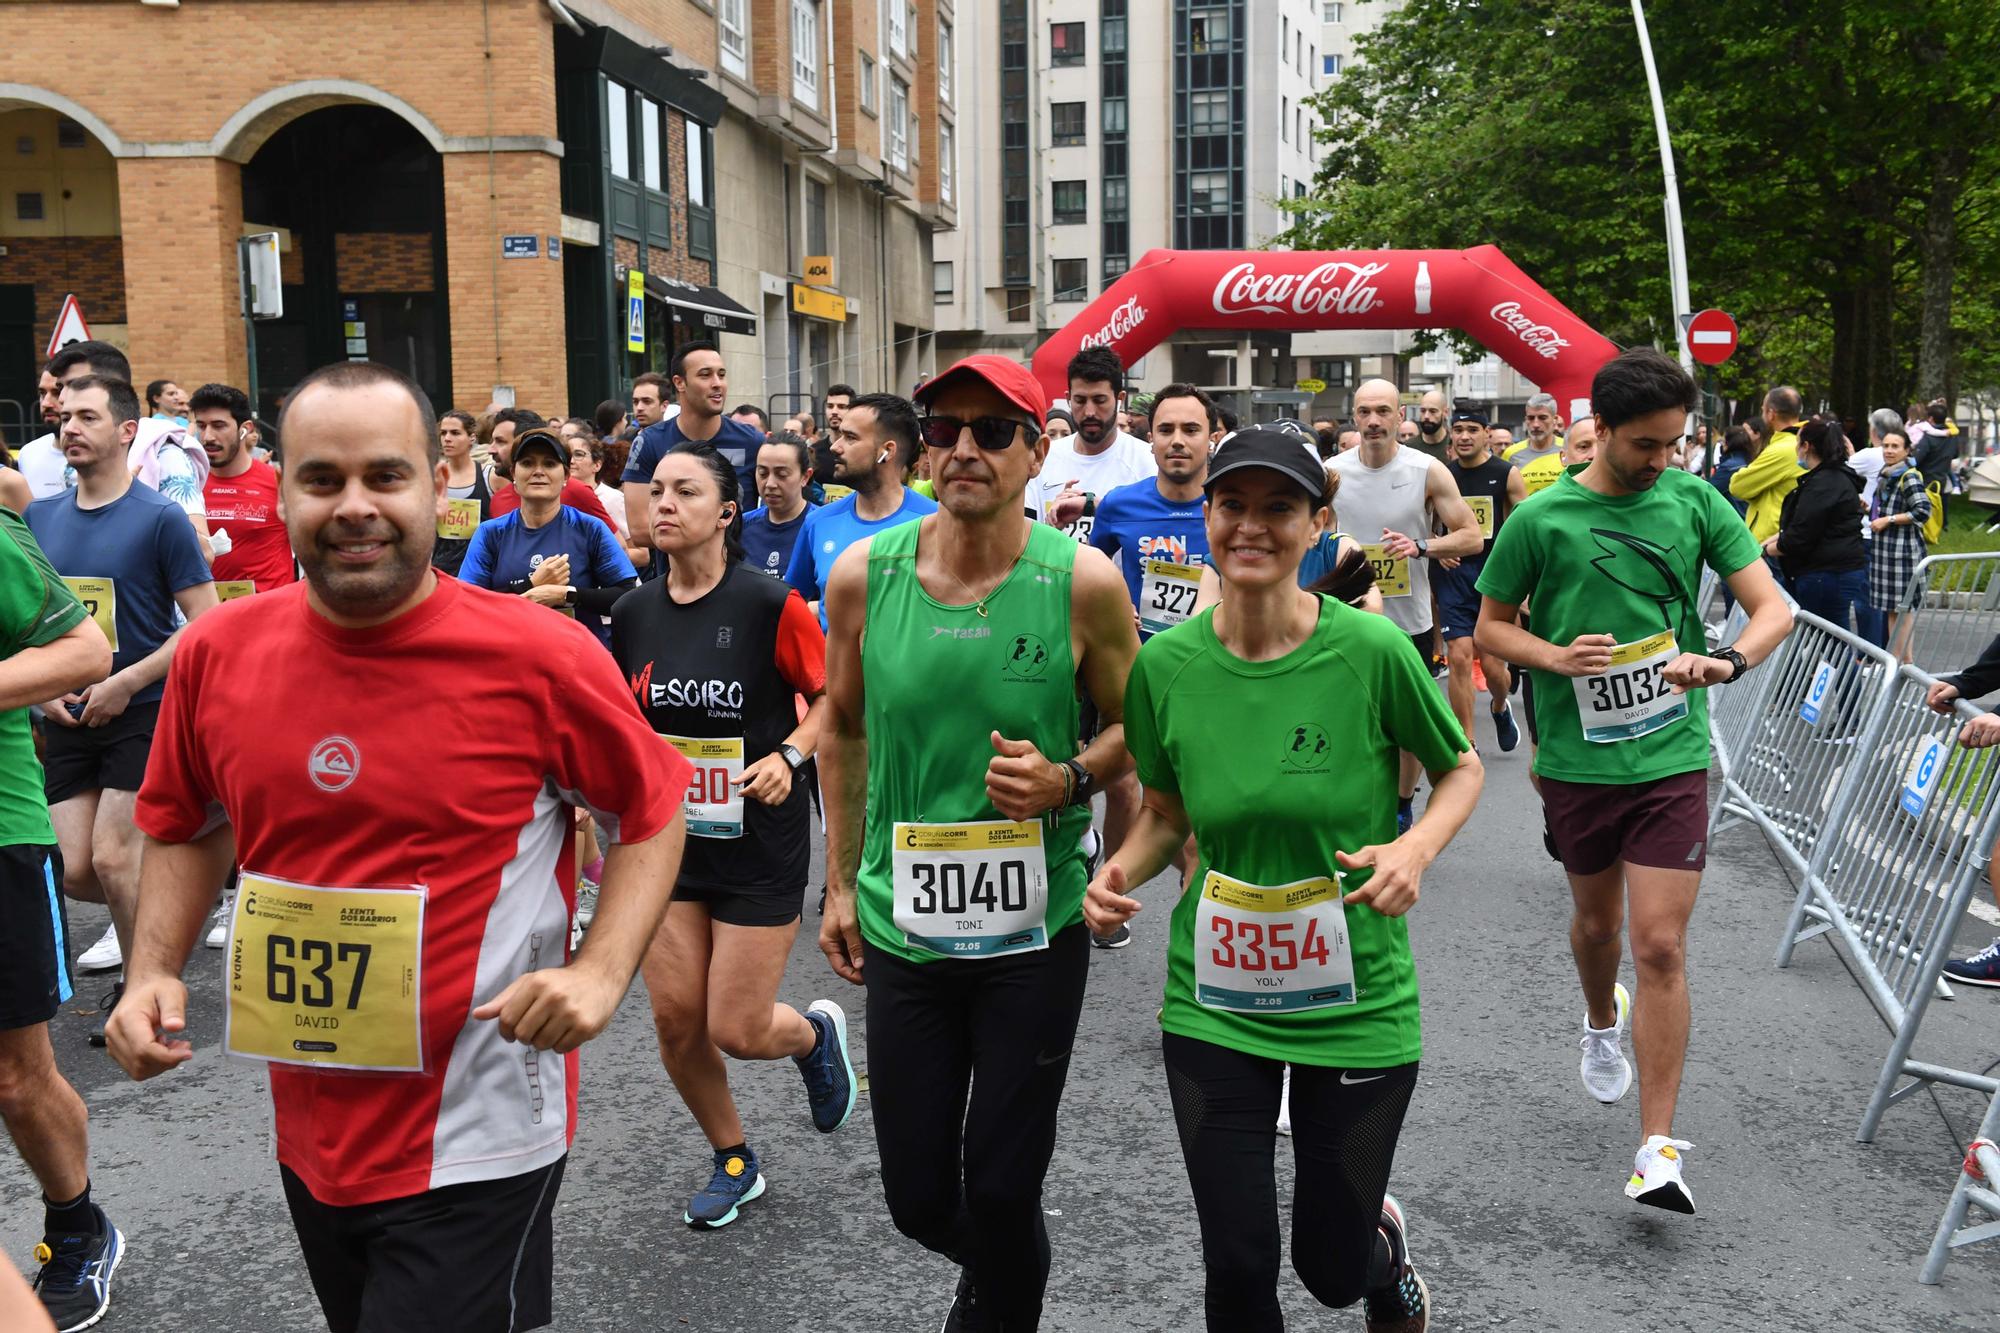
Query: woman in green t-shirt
(1270, 726)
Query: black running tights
(1344, 1128)
(966, 1064)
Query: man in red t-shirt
(242, 498)
(398, 953)
(508, 423)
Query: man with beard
(1542, 441)
(1612, 556)
(873, 449)
(252, 551)
(1432, 437)
(435, 1120)
(1096, 460)
(41, 459)
(702, 383)
(1491, 488)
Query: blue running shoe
(1982, 969)
(737, 1180)
(828, 1073)
(1406, 815)
(1504, 728)
(75, 1282)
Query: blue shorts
(1458, 597)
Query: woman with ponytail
(717, 654)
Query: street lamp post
(1677, 265)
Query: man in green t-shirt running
(955, 870)
(1612, 557)
(49, 646)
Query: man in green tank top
(955, 872)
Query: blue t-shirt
(505, 551)
(833, 528)
(1320, 559)
(143, 546)
(767, 546)
(734, 441)
(1135, 523)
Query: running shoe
(1607, 1074)
(737, 1180)
(1285, 1103)
(218, 927)
(1656, 1175)
(103, 956)
(1504, 728)
(105, 1005)
(1982, 969)
(966, 1314)
(829, 1074)
(74, 1283)
(1406, 815)
(1117, 939)
(1404, 1306)
(586, 902)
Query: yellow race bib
(1482, 509)
(460, 518)
(100, 599)
(228, 590)
(1392, 572)
(326, 978)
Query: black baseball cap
(543, 436)
(1468, 414)
(1266, 446)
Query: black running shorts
(83, 759)
(473, 1258)
(35, 979)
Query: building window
(941, 283)
(69, 134)
(649, 143)
(899, 124)
(1072, 280)
(899, 36)
(1111, 36)
(697, 164)
(1285, 119)
(1299, 52)
(947, 160)
(28, 206)
(618, 127)
(805, 53)
(1114, 268)
(1066, 44)
(815, 216)
(1208, 113)
(1072, 200)
(1208, 29)
(1067, 125)
(1298, 126)
(1333, 12)
(1115, 192)
(1208, 192)
(1329, 65)
(944, 58)
(1298, 189)
(1020, 307)
(868, 83)
(733, 35)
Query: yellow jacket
(1766, 480)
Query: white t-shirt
(614, 504)
(1125, 461)
(42, 463)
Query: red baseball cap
(1010, 379)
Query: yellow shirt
(1765, 481)
(1542, 473)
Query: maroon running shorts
(1662, 823)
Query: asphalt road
(1511, 1175)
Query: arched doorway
(357, 194)
(59, 234)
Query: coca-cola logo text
(1337, 288)
(1127, 317)
(1542, 339)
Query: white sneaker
(586, 903)
(1656, 1175)
(218, 930)
(103, 956)
(1607, 1074)
(1285, 1104)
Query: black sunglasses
(989, 433)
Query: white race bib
(974, 890)
(714, 802)
(1166, 594)
(1632, 697)
(1272, 950)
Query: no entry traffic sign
(1711, 337)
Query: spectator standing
(1764, 482)
(1902, 505)
(1818, 542)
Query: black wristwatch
(792, 757)
(1085, 782)
(1738, 664)
(1423, 548)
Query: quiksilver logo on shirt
(334, 763)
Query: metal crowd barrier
(1957, 599)
(1978, 1182)
(1790, 746)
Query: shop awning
(710, 308)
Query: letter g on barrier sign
(1921, 784)
(1816, 694)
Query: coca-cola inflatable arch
(1478, 291)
